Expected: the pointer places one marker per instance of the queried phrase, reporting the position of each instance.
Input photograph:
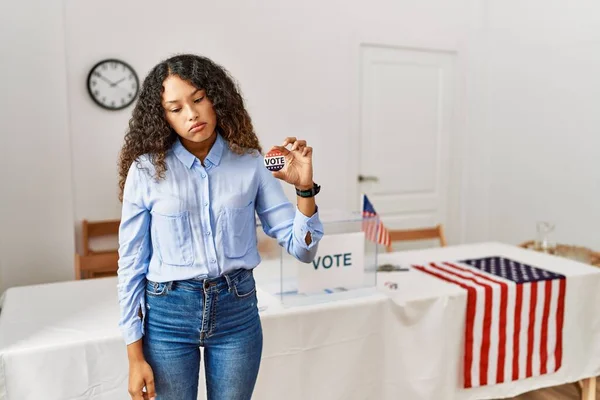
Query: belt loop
(228, 282)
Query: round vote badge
(274, 160)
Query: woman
(191, 180)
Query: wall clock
(113, 84)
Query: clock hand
(117, 82)
(104, 79)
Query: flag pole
(361, 203)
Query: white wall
(36, 208)
(297, 64)
(543, 120)
(528, 73)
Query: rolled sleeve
(304, 225)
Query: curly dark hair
(149, 132)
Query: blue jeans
(220, 314)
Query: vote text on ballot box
(345, 264)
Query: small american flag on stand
(514, 319)
(372, 225)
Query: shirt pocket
(172, 237)
(238, 227)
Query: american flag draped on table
(514, 318)
(372, 225)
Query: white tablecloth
(60, 341)
(425, 336)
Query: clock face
(112, 84)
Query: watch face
(113, 84)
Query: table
(61, 341)
(443, 301)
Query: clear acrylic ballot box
(344, 266)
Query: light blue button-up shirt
(200, 222)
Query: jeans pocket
(156, 289)
(244, 285)
(173, 238)
(238, 227)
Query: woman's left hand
(298, 169)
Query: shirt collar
(216, 152)
(214, 155)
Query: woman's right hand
(140, 376)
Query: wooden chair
(436, 232)
(595, 259)
(268, 248)
(95, 229)
(97, 263)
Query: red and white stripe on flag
(513, 327)
(374, 229)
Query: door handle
(362, 178)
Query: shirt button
(207, 233)
(213, 261)
(203, 175)
(206, 204)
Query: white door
(406, 130)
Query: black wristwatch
(309, 192)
